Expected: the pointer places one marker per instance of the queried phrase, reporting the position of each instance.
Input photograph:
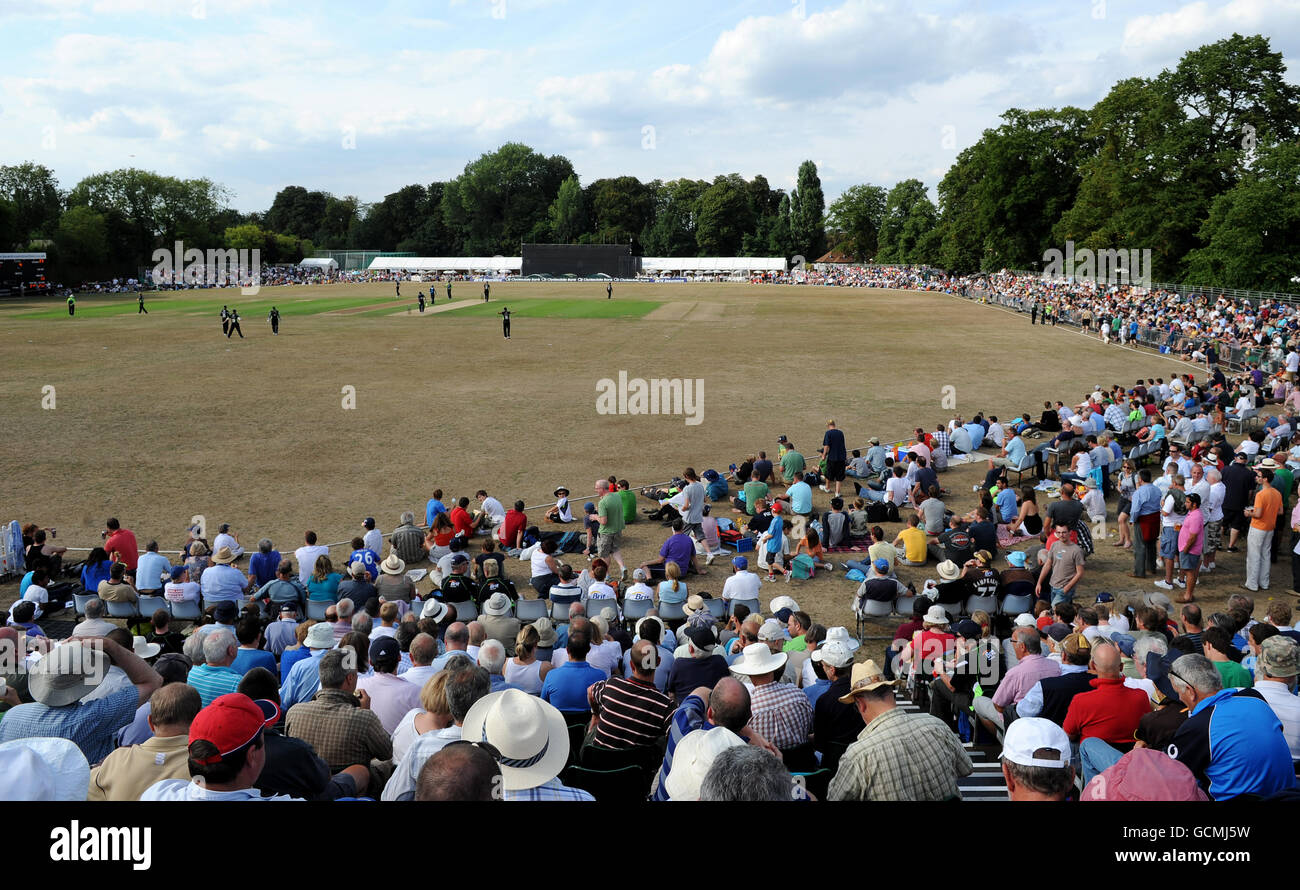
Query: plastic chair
(528, 611)
(316, 609)
(635, 610)
(1017, 605)
(81, 599)
(466, 611)
(122, 610)
(150, 604)
(753, 605)
(981, 604)
(186, 611)
(672, 612)
(903, 604)
(559, 612)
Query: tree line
(1199, 164)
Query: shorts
(1235, 519)
(694, 529)
(1188, 561)
(1125, 505)
(835, 471)
(607, 544)
(1213, 535)
(1168, 543)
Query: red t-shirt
(461, 521)
(515, 521)
(123, 541)
(1110, 712)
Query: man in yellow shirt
(128, 772)
(1263, 521)
(910, 543)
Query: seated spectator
(129, 771)
(1036, 761)
(630, 712)
(116, 589)
(222, 581)
(566, 687)
(339, 726)
(248, 631)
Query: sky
(364, 98)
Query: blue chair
(528, 611)
(672, 611)
(150, 604)
(316, 609)
(122, 610)
(186, 611)
(717, 608)
(81, 599)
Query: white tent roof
(316, 262)
(711, 264)
(443, 263)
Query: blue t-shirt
(1006, 504)
(800, 497)
(679, 548)
(566, 686)
(976, 433)
(1016, 451)
(247, 659)
(668, 595)
(369, 559)
(262, 566)
(432, 509)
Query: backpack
(877, 511)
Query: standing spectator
(1263, 516)
(307, 555)
(121, 541)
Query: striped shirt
(901, 756)
(552, 790)
(213, 682)
(781, 714)
(632, 713)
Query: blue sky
(363, 98)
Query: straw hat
(43, 769)
(949, 570)
(866, 676)
(758, 659)
(67, 674)
(393, 565)
(694, 755)
(224, 556)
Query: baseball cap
(781, 439)
(700, 635)
(1074, 644)
(385, 649)
(882, 565)
(1105, 597)
(459, 559)
(968, 629)
(1024, 619)
(1016, 558)
(231, 723)
(834, 653)
(639, 574)
(225, 612)
(177, 571)
(589, 507)
(783, 615)
(740, 562)
(1036, 741)
(368, 522)
(776, 506)
(771, 630)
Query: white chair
(186, 611)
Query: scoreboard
(19, 271)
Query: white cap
(694, 755)
(1024, 619)
(782, 602)
(834, 653)
(771, 630)
(1031, 741)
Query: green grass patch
(288, 304)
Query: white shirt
(374, 540)
(307, 556)
(742, 586)
(36, 594)
(898, 486)
(641, 591)
(1212, 507)
(997, 434)
(181, 593)
(225, 540)
(380, 631)
(1293, 365)
(492, 507)
(605, 657)
(599, 590)
(538, 563)
(419, 675)
(1287, 708)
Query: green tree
(1252, 235)
(81, 241)
(807, 213)
(723, 216)
(33, 193)
(297, 211)
(620, 208)
(672, 230)
(568, 212)
(780, 240)
(500, 197)
(855, 216)
(909, 216)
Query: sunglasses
(487, 747)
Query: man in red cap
(226, 752)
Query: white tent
(315, 262)
(446, 264)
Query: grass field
(157, 418)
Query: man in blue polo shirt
(566, 686)
(728, 706)
(800, 495)
(1232, 741)
(433, 508)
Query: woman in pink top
(1191, 540)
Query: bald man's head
(459, 772)
(1106, 660)
(644, 658)
(729, 705)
